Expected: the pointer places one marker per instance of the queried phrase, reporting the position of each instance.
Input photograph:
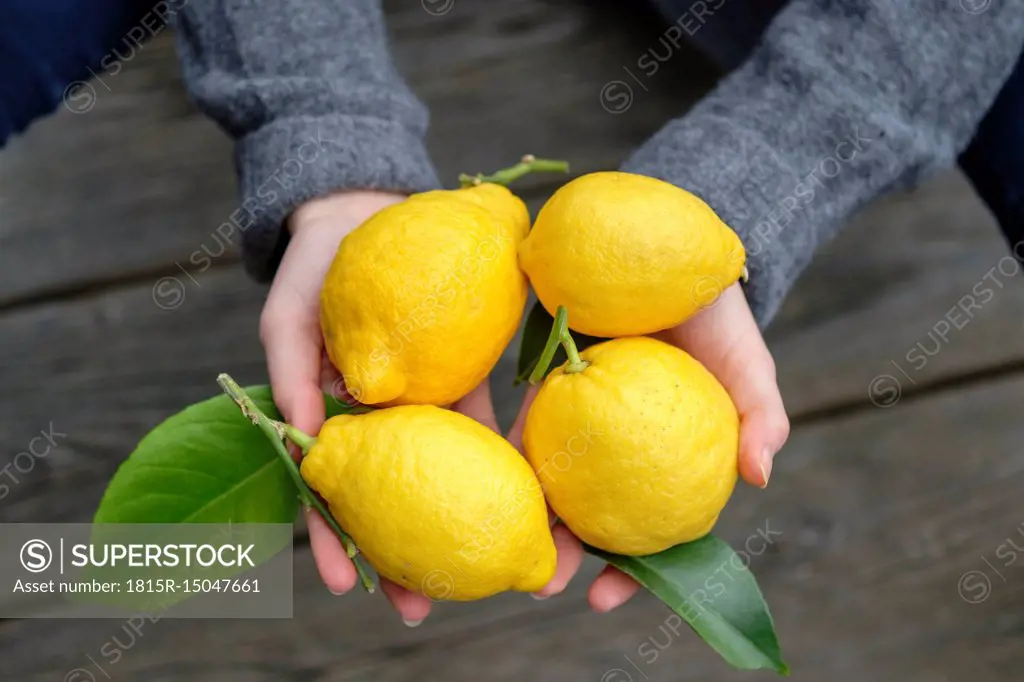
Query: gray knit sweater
(841, 101)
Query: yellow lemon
(628, 254)
(422, 298)
(637, 452)
(437, 502)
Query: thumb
(290, 333)
(726, 340)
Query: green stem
(559, 335)
(276, 432)
(299, 437)
(528, 164)
(559, 327)
(575, 364)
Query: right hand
(726, 340)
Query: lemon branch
(276, 432)
(559, 335)
(299, 437)
(528, 164)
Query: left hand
(300, 369)
(725, 339)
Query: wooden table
(882, 509)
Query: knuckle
(778, 424)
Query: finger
(726, 340)
(515, 435)
(764, 430)
(478, 405)
(290, 332)
(611, 589)
(570, 556)
(293, 362)
(413, 608)
(334, 566)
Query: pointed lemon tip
(372, 380)
(541, 573)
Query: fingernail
(412, 623)
(336, 594)
(766, 466)
(539, 597)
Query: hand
(726, 340)
(299, 367)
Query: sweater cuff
(784, 170)
(291, 161)
(740, 180)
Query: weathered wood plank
(530, 80)
(362, 628)
(928, 267)
(130, 186)
(873, 520)
(140, 181)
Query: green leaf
(535, 336)
(707, 584)
(206, 464)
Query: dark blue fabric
(45, 45)
(994, 161)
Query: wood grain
(127, 188)
(920, 289)
(873, 520)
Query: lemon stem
(551, 347)
(575, 364)
(276, 432)
(528, 164)
(299, 437)
(559, 335)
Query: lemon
(422, 298)
(435, 501)
(628, 254)
(636, 452)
